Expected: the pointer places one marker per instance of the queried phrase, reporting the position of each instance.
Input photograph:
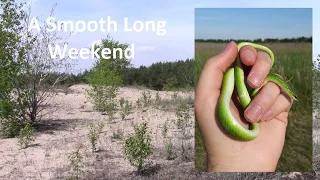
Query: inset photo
(253, 97)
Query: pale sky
(252, 23)
(178, 43)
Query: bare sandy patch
(65, 129)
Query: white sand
(67, 127)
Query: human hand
(271, 106)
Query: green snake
(234, 76)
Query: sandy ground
(66, 128)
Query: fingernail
(256, 78)
(268, 115)
(248, 55)
(254, 112)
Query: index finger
(248, 55)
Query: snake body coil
(235, 77)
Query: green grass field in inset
(292, 60)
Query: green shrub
(122, 101)
(76, 163)
(106, 76)
(139, 103)
(111, 110)
(183, 121)
(158, 99)
(170, 154)
(103, 97)
(182, 115)
(138, 146)
(146, 98)
(171, 84)
(125, 109)
(94, 131)
(26, 136)
(165, 129)
(9, 128)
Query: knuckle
(286, 98)
(208, 62)
(265, 58)
(268, 94)
(275, 89)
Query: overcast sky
(178, 43)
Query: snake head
(295, 97)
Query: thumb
(212, 72)
(225, 59)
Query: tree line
(68, 78)
(159, 76)
(162, 75)
(259, 40)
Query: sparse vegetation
(26, 136)
(106, 77)
(126, 108)
(158, 99)
(111, 110)
(138, 146)
(165, 129)
(139, 103)
(147, 99)
(118, 134)
(183, 116)
(183, 122)
(9, 127)
(175, 96)
(121, 101)
(94, 132)
(76, 164)
(170, 154)
(103, 97)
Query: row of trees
(162, 75)
(158, 76)
(69, 79)
(266, 40)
